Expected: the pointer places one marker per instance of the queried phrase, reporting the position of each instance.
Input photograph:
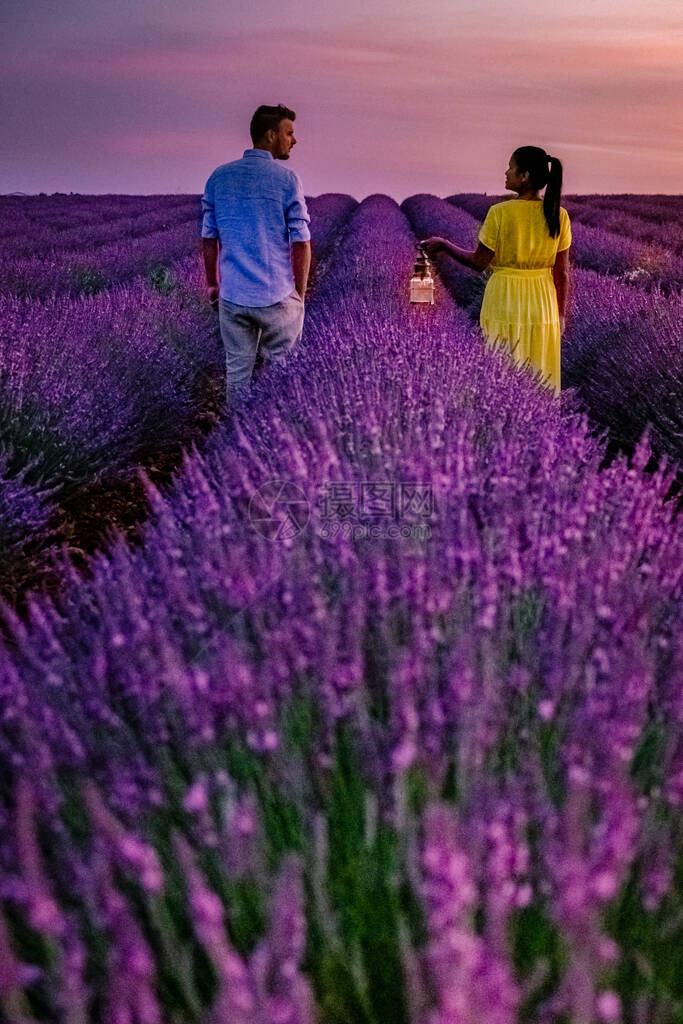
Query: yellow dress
(519, 308)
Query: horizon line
(565, 195)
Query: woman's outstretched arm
(561, 279)
(478, 259)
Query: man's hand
(301, 264)
(210, 250)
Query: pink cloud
(383, 109)
(485, 55)
(157, 143)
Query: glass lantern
(422, 281)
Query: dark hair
(544, 172)
(266, 118)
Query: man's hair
(266, 118)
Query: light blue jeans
(276, 328)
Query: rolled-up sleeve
(296, 213)
(209, 228)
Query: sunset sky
(391, 96)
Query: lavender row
(665, 233)
(475, 203)
(623, 353)
(92, 386)
(82, 273)
(634, 261)
(89, 387)
(300, 774)
(140, 350)
(657, 208)
(27, 214)
(27, 515)
(86, 272)
(43, 240)
(623, 348)
(330, 215)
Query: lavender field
(381, 722)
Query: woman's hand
(433, 246)
(477, 260)
(563, 324)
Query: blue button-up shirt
(256, 207)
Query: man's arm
(210, 241)
(297, 219)
(301, 265)
(210, 250)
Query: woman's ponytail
(544, 172)
(553, 194)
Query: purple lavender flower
(471, 982)
(517, 671)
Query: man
(256, 243)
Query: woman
(526, 242)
